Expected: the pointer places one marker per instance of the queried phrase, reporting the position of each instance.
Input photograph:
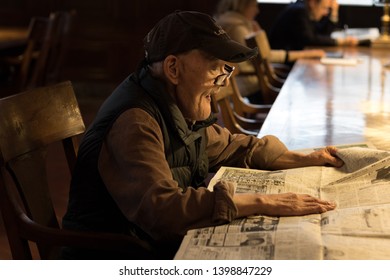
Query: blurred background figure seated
(237, 18)
(307, 23)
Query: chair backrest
(246, 109)
(264, 71)
(63, 27)
(29, 122)
(263, 44)
(260, 40)
(222, 103)
(35, 57)
(48, 41)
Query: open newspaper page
(256, 237)
(359, 189)
(359, 228)
(357, 233)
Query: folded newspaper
(359, 228)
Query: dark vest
(90, 205)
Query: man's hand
(334, 10)
(325, 156)
(285, 204)
(348, 41)
(292, 159)
(291, 204)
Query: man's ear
(312, 3)
(171, 69)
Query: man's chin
(203, 117)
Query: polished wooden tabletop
(323, 105)
(12, 37)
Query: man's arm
(291, 159)
(290, 204)
(239, 150)
(268, 153)
(284, 204)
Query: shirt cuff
(224, 208)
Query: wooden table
(11, 37)
(331, 104)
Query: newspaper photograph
(339, 247)
(255, 237)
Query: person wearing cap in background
(143, 162)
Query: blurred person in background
(330, 22)
(237, 18)
(297, 26)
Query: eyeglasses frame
(221, 79)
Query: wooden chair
(245, 109)
(29, 123)
(30, 66)
(268, 91)
(277, 71)
(222, 103)
(64, 22)
(269, 82)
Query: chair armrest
(89, 240)
(249, 124)
(255, 109)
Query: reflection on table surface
(331, 104)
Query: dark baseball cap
(183, 31)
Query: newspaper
(359, 228)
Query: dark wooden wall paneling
(107, 41)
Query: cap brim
(229, 50)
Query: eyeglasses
(221, 79)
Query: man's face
(252, 10)
(196, 84)
(319, 9)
